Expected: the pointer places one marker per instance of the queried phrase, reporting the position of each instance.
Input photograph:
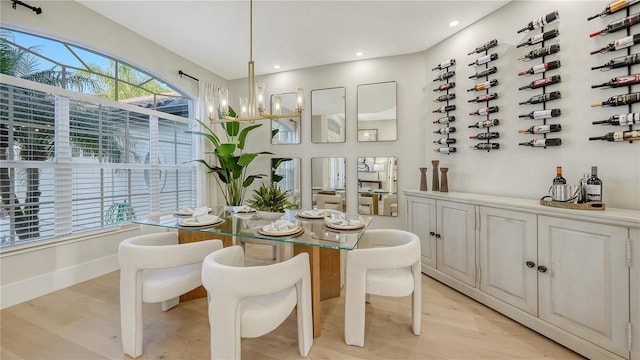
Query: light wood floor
(83, 322)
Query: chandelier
(255, 100)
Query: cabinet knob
(542, 268)
(530, 264)
(437, 236)
(432, 233)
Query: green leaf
(243, 134)
(274, 132)
(226, 149)
(232, 128)
(246, 159)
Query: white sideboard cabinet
(571, 275)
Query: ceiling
(293, 34)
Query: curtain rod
(180, 72)
(37, 10)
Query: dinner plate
(313, 214)
(187, 212)
(343, 225)
(243, 210)
(293, 231)
(207, 220)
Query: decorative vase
(435, 183)
(444, 182)
(423, 179)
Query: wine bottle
(485, 123)
(547, 35)
(445, 64)
(486, 111)
(559, 179)
(444, 109)
(446, 150)
(445, 75)
(621, 120)
(542, 114)
(536, 99)
(445, 130)
(618, 25)
(483, 73)
(445, 97)
(484, 59)
(542, 142)
(620, 81)
(551, 65)
(445, 86)
(484, 98)
(541, 21)
(485, 146)
(583, 188)
(483, 47)
(484, 85)
(619, 136)
(486, 135)
(594, 186)
(619, 44)
(445, 141)
(543, 51)
(613, 7)
(541, 129)
(620, 62)
(542, 82)
(623, 99)
(445, 120)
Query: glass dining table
(319, 238)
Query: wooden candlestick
(423, 179)
(444, 182)
(435, 183)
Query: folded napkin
(198, 212)
(343, 222)
(243, 209)
(280, 225)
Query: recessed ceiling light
(359, 53)
(276, 66)
(453, 23)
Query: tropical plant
(270, 198)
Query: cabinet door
(508, 257)
(422, 221)
(456, 246)
(585, 288)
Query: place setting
(343, 222)
(314, 214)
(280, 228)
(189, 212)
(200, 217)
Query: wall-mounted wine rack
(629, 119)
(445, 107)
(542, 53)
(484, 69)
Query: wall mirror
(378, 186)
(286, 130)
(377, 112)
(328, 115)
(327, 183)
(286, 173)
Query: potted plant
(270, 200)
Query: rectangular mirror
(327, 183)
(377, 112)
(287, 130)
(286, 173)
(328, 115)
(378, 186)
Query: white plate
(270, 232)
(343, 224)
(310, 214)
(187, 212)
(202, 221)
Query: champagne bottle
(483, 73)
(445, 150)
(486, 135)
(623, 99)
(542, 82)
(445, 64)
(620, 62)
(613, 7)
(619, 44)
(541, 129)
(446, 86)
(583, 188)
(485, 123)
(541, 21)
(484, 59)
(484, 85)
(445, 75)
(542, 98)
(444, 109)
(445, 141)
(544, 51)
(618, 25)
(445, 130)
(559, 179)
(620, 81)
(445, 120)
(445, 97)
(542, 142)
(619, 136)
(594, 186)
(483, 47)
(621, 120)
(541, 114)
(484, 98)
(486, 111)
(551, 65)
(485, 146)
(547, 35)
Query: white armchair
(252, 301)
(332, 202)
(386, 263)
(154, 268)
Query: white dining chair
(386, 263)
(154, 268)
(253, 301)
(331, 202)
